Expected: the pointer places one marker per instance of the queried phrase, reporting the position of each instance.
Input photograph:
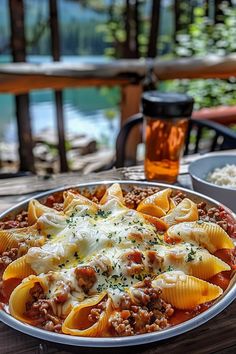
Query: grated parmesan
(223, 176)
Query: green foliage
(198, 39)
(203, 36)
(207, 93)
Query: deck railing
(20, 78)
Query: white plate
(219, 305)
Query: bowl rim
(203, 181)
(220, 304)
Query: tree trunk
(177, 13)
(218, 13)
(127, 15)
(18, 47)
(18, 43)
(137, 28)
(207, 5)
(55, 37)
(154, 29)
(131, 15)
(55, 45)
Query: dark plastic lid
(167, 105)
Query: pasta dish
(114, 263)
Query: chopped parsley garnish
(103, 214)
(191, 255)
(170, 268)
(99, 287)
(155, 242)
(139, 277)
(71, 222)
(76, 255)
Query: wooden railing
(21, 78)
(209, 67)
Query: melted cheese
(86, 232)
(169, 279)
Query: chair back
(202, 136)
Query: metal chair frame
(227, 134)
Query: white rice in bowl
(223, 176)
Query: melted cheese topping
(168, 280)
(117, 242)
(86, 233)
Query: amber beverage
(166, 122)
(164, 147)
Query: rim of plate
(228, 296)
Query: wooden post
(18, 46)
(55, 44)
(218, 13)
(131, 16)
(154, 29)
(176, 19)
(130, 104)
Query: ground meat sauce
(218, 215)
(6, 258)
(17, 221)
(96, 312)
(180, 316)
(86, 277)
(55, 201)
(146, 313)
(137, 194)
(39, 310)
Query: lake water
(90, 111)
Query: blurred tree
(18, 47)
(130, 46)
(154, 29)
(123, 28)
(204, 37)
(218, 12)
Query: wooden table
(216, 336)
